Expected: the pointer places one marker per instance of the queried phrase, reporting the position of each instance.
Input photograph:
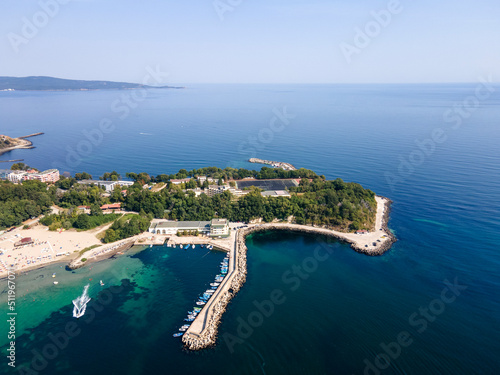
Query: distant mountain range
(58, 84)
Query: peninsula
(212, 207)
(8, 144)
(42, 83)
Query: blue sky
(254, 41)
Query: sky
(252, 41)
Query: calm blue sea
(432, 149)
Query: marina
(202, 332)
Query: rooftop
(182, 224)
(219, 221)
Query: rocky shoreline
(77, 263)
(208, 335)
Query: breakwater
(99, 253)
(275, 164)
(203, 331)
(30, 135)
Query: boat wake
(81, 303)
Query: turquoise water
(445, 215)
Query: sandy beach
(65, 246)
(47, 247)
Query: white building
(180, 181)
(214, 228)
(276, 193)
(109, 186)
(172, 227)
(216, 189)
(219, 228)
(16, 176)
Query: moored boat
(178, 334)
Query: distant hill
(51, 83)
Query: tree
(95, 210)
(83, 222)
(83, 176)
(20, 167)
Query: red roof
(26, 239)
(112, 206)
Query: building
(4, 173)
(219, 228)
(180, 181)
(276, 193)
(172, 227)
(216, 189)
(109, 186)
(197, 191)
(202, 179)
(24, 241)
(84, 209)
(238, 192)
(112, 206)
(48, 176)
(214, 228)
(16, 176)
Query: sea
(310, 305)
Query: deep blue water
(445, 214)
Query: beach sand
(44, 249)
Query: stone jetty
(203, 331)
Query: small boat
(197, 309)
(202, 246)
(214, 284)
(182, 247)
(188, 319)
(179, 334)
(100, 282)
(209, 291)
(200, 303)
(182, 329)
(56, 282)
(151, 245)
(192, 246)
(214, 288)
(185, 326)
